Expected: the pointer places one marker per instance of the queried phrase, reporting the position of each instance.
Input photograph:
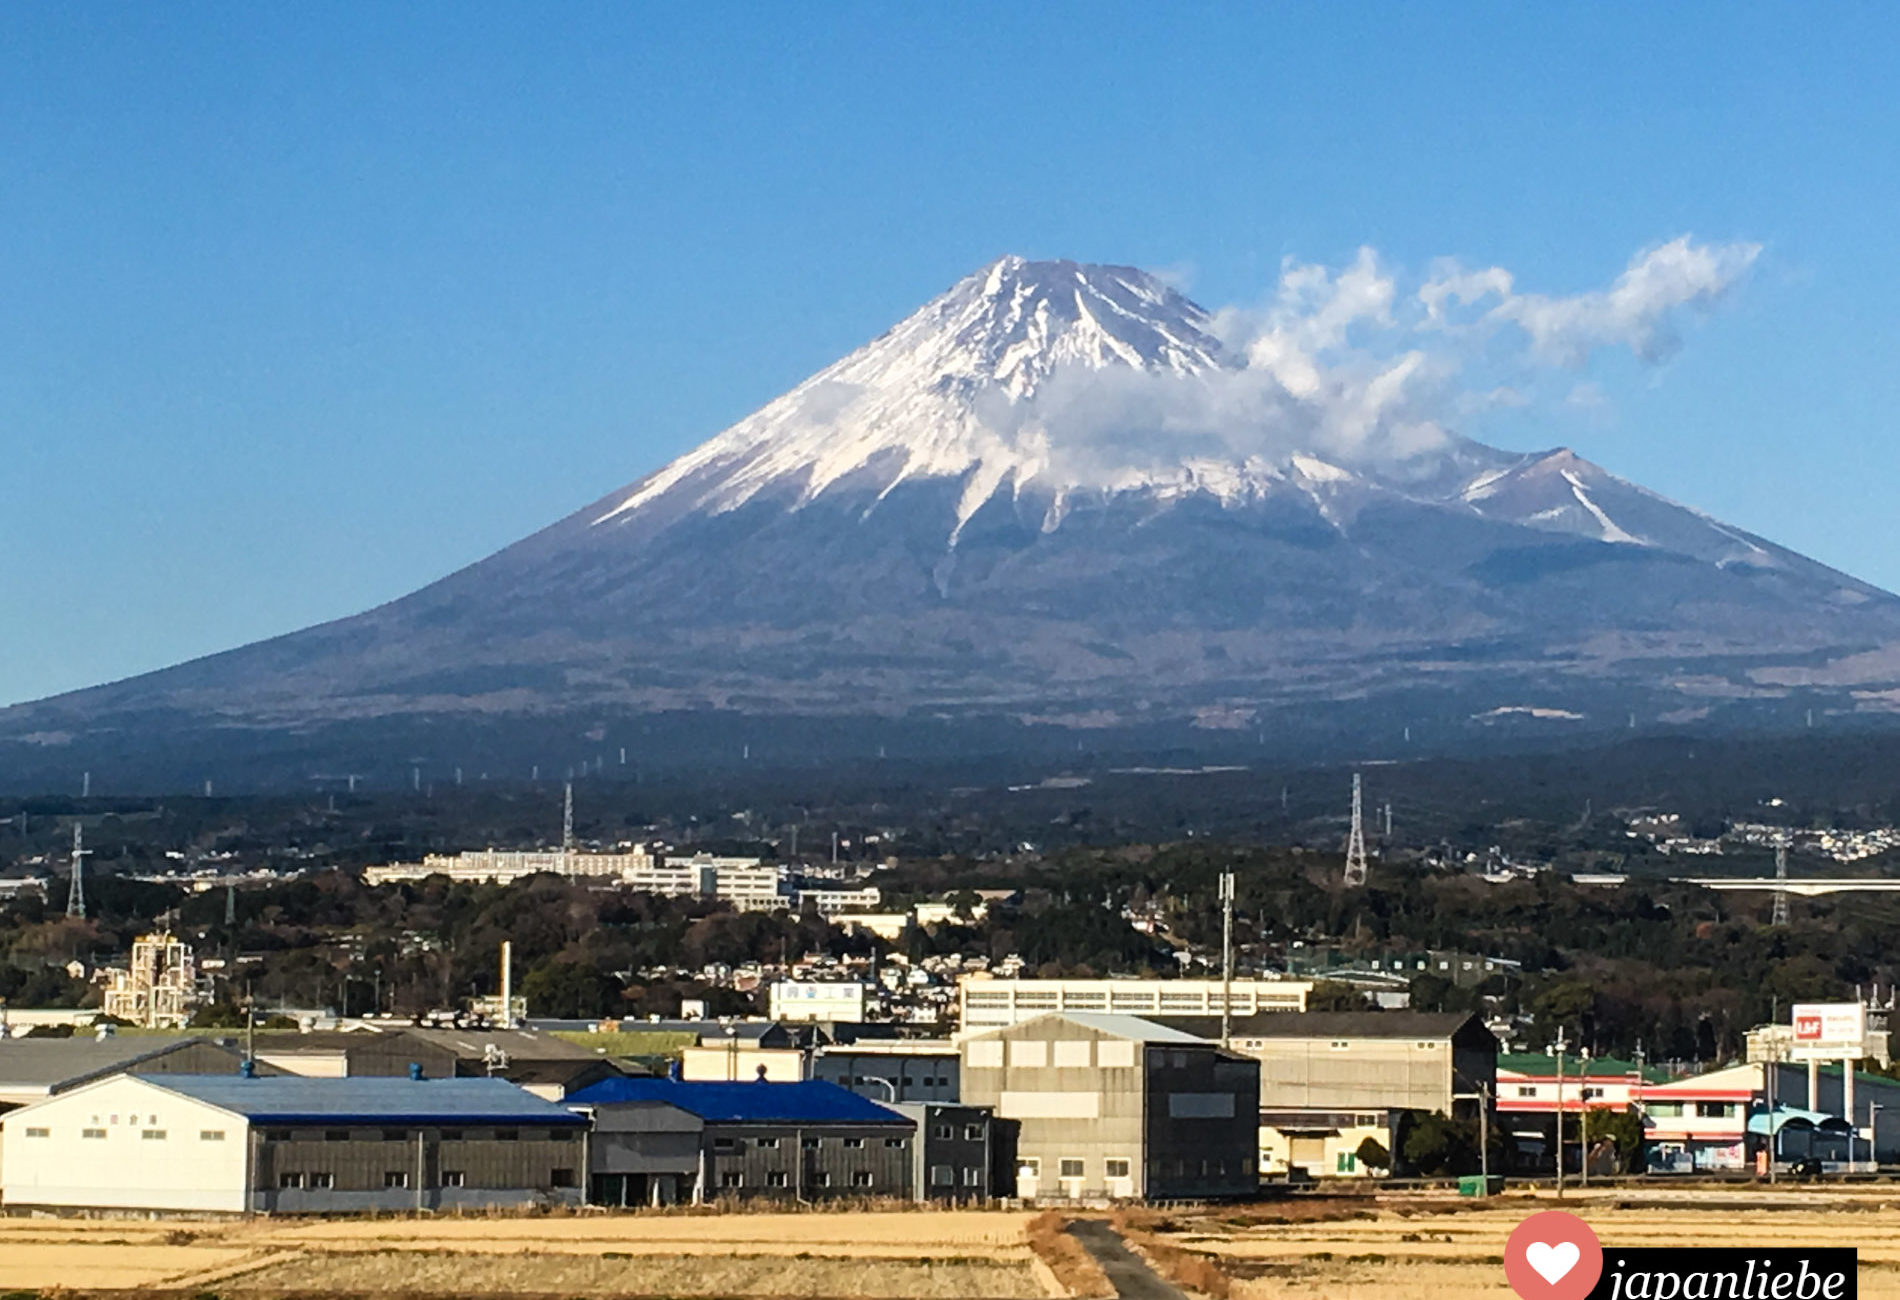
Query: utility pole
(1781, 883)
(1356, 840)
(1557, 1048)
(1226, 958)
(76, 893)
(1583, 1110)
(1484, 1136)
(1388, 820)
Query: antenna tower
(567, 830)
(1781, 883)
(1356, 841)
(76, 896)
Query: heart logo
(1553, 1256)
(1552, 1262)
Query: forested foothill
(1113, 867)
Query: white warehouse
(235, 1144)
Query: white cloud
(1354, 366)
(1638, 311)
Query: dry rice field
(1439, 1248)
(1419, 1247)
(949, 1255)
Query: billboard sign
(1829, 1031)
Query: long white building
(747, 883)
(988, 1003)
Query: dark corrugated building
(665, 1141)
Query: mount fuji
(1050, 503)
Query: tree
(1373, 1155)
(1434, 1144)
(1331, 995)
(569, 990)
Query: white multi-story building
(830, 902)
(814, 1000)
(988, 1003)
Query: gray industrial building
(1331, 1079)
(954, 1155)
(33, 1069)
(892, 1070)
(668, 1141)
(1109, 1107)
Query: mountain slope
(1021, 506)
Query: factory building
(670, 1141)
(234, 1144)
(1102, 1107)
(1330, 1080)
(986, 1003)
(954, 1155)
(892, 1069)
(33, 1069)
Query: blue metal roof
(369, 1100)
(810, 1102)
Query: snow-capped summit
(930, 398)
(957, 393)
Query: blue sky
(304, 306)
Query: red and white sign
(1829, 1031)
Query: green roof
(1595, 1067)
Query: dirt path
(1127, 1272)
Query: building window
(777, 1178)
(454, 1178)
(1069, 1168)
(507, 1135)
(560, 1178)
(725, 1144)
(211, 1135)
(1525, 1090)
(943, 1132)
(395, 1135)
(277, 1135)
(1592, 1092)
(972, 1132)
(286, 1181)
(1178, 1060)
(153, 1134)
(897, 1143)
(972, 1176)
(1711, 1110)
(1115, 1168)
(732, 1178)
(336, 1135)
(766, 1144)
(862, 1178)
(451, 1135)
(39, 1132)
(561, 1135)
(1340, 1044)
(94, 1133)
(812, 1144)
(821, 1179)
(395, 1178)
(323, 1180)
(1345, 1162)
(853, 1144)
(943, 1176)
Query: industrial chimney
(507, 984)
